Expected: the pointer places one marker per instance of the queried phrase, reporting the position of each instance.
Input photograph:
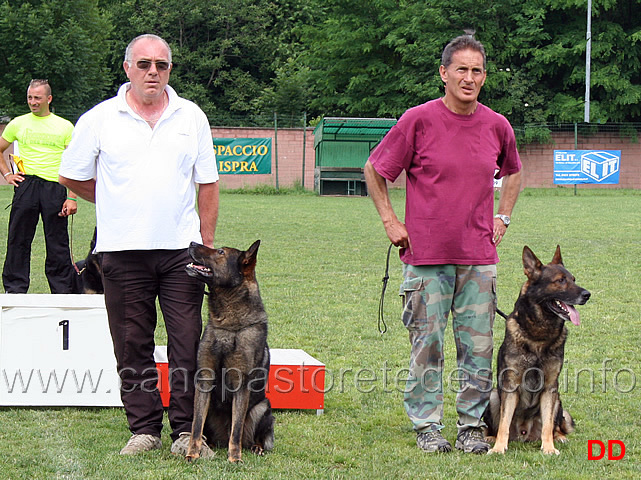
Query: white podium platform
(56, 350)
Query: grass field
(320, 267)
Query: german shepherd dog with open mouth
(526, 405)
(230, 407)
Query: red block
(162, 365)
(296, 379)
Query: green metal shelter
(342, 147)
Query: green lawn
(320, 267)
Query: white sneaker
(141, 443)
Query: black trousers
(36, 198)
(133, 280)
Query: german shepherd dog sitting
(88, 278)
(526, 405)
(230, 407)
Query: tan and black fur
(526, 405)
(230, 407)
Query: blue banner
(573, 167)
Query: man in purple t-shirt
(451, 148)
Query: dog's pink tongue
(574, 315)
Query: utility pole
(588, 54)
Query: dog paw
(191, 457)
(257, 450)
(550, 451)
(497, 449)
(561, 439)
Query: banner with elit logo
(573, 167)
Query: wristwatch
(504, 218)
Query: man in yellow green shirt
(42, 137)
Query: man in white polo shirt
(146, 158)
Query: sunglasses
(161, 65)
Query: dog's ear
(557, 256)
(531, 264)
(249, 258)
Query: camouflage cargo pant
(431, 293)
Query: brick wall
(288, 142)
(538, 159)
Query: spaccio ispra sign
(243, 156)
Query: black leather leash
(382, 326)
(501, 313)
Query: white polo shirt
(145, 179)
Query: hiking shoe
(141, 443)
(181, 445)
(472, 440)
(433, 442)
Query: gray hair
(462, 42)
(149, 36)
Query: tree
(64, 42)
(222, 50)
(379, 57)
(551, 52)
(241, 60)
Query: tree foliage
(64, 42)
(243, 59)
(377, 58)
(222, 50)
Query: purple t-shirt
(450, 161)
